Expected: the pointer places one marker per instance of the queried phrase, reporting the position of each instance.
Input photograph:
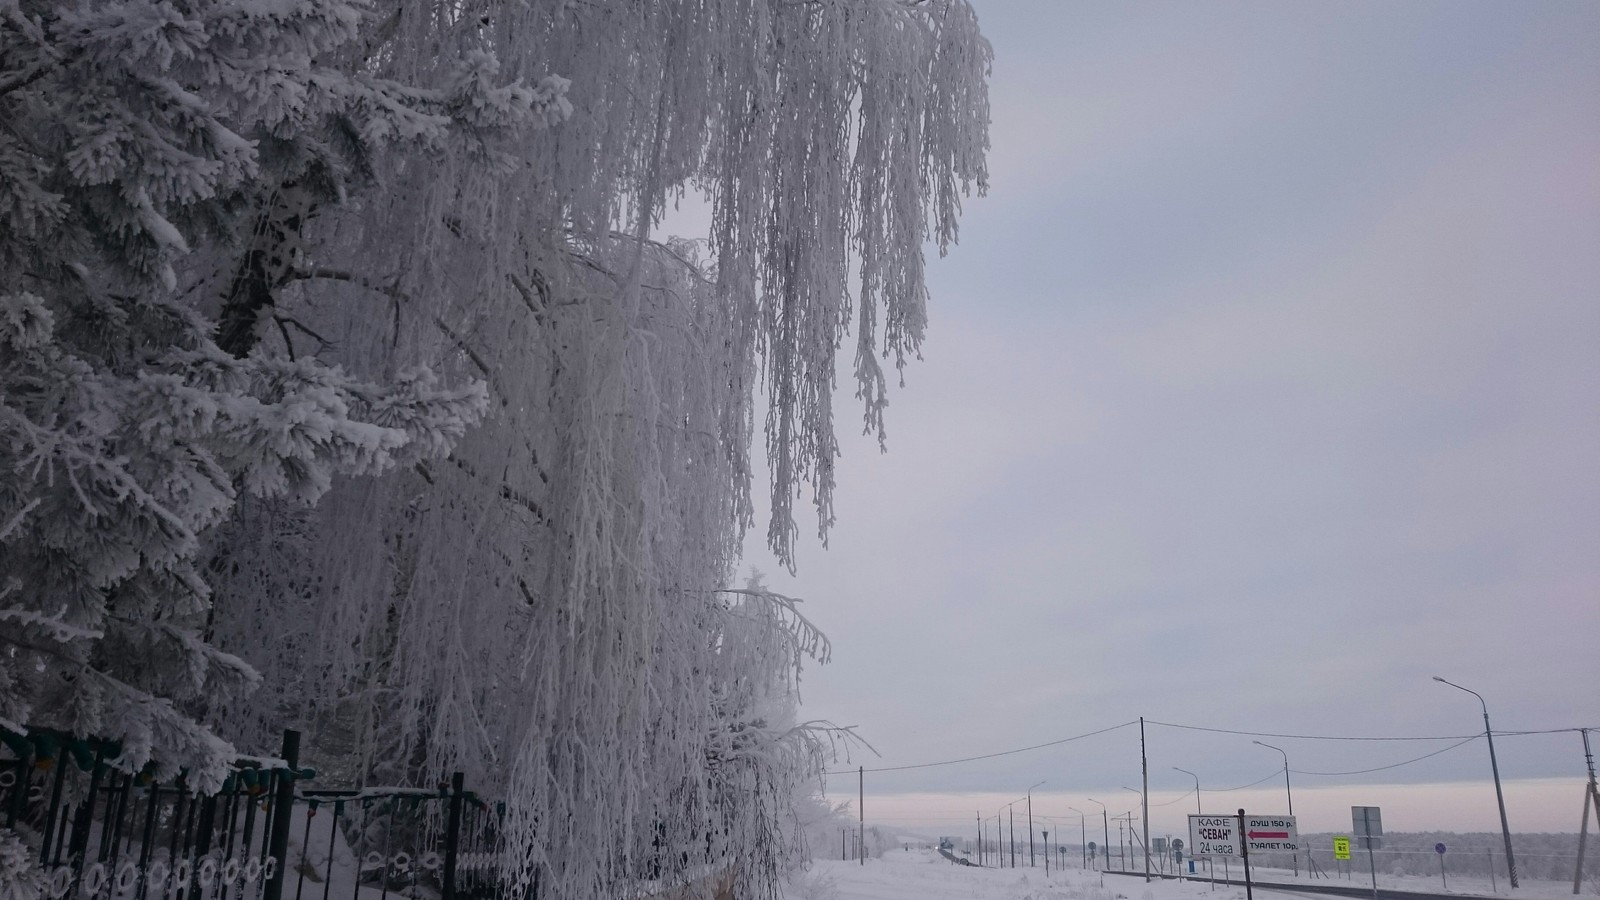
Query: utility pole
(1122, 849)
(1030, 830)
(1030, 822)
(1144, 766)
(861, 807)
(1132, 836)
(1591, 797)
(1494, 767)
(1012, 815)
(1000, 837)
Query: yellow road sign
(1341, 847)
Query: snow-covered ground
(924, 875)
(1465, 885)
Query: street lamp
(1196, 788)
(1105, 820)
(1286, 790)
(1030, 823)
(1083, 835)
(1499, 796)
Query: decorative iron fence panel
(110, 835)
(104, 834)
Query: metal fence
(105, 834)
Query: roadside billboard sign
(1271, 833)
(1214, 836)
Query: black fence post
(23, 748)
(83, 820)
(452, 836)
(282, 807)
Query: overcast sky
(1261, 388)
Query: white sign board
(1268, 833)
(1367, 822)
(1214, 836)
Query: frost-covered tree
(351, 200)
(540, 609)
(131, 152)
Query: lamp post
(1083, 834)
(1196, 789)
(1286, 791)
(1499, 796)
(1105, 820)
(1030, 823)
(1146, 842)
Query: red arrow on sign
(1259, 835)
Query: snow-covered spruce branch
(55, 626)
(151, 729)
(19, 80)
(11, 524)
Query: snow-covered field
(924, 875)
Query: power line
(951, 762)
(1547, 731)
(1306, 737)
(1394, 765)
(1170, 802)
(1337, 737)
(1250, 785)
(1459, 738)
